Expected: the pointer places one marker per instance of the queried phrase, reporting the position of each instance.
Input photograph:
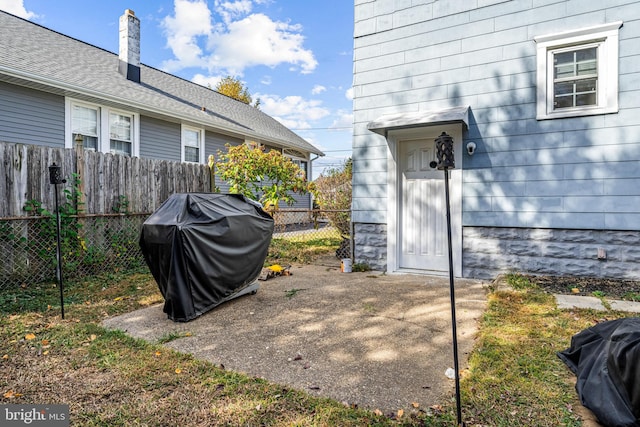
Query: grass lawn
(108, 378)
(302, 248)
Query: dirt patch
(628, 290)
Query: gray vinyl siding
(159, 139)
(581, 172)
(301, 201)
(214, 143)
(29, 116)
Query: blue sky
(295, 55)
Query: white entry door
(422, 227)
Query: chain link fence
(307, 225)
(90, 244)
(93, 244)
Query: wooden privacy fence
(105, 180)
(99, 240)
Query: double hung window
(192, 142)
(120, 135)
(575, 77)
(577, 72)
(86, 122)
(101, 128)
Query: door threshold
(415, 271)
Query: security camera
(471, 148)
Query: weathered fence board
(105, 178)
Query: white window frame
(605, 38)
(297, 161)
(69, 119)
(297, 157)
(183, 143)
(132, 140)
(103, 126)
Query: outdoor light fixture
(55, 175)
(444, 151)
(446, 161)
(471, 148)
(55, 178)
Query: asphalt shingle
(38, 57)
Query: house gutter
(29, 77)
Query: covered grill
(204, 249)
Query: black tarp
(204, 249)
(606, 361)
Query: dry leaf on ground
(11, 394)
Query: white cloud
(257, 40)
(294, 112)
(349, 94)
(293, 124)
(16, 7)
(241, 40)
(192, 20)
(207, 81)
(266, 80)
(318, 89)
(233, 9)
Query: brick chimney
(129, 57)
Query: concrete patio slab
(368, 339)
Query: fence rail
(93, 244)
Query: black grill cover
(204, 249)
(606, 361)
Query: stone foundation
(370, 241)
(489, 251)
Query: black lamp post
(55, 178)
(444, 152)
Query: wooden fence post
(212, 173)
(80, 200)
(80, 171)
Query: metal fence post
(55, 178)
